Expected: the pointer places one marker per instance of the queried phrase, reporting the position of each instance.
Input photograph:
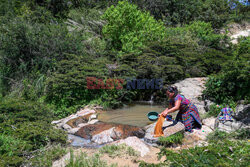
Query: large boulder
(135, 143)
(208, 104)
(192, 89)
(169, 127)
(230, 126)
(242, 113)
(209, 122)
(104, 137)
(72, 121)
(241, 119)
(102, 132)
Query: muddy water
(132, 114)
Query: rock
(61, 161)
(104, 137)
(66, 127)
(56, 122)
(85, 111)
(93, 116)
(135, 143)
(81, 125)
(82, 116)
(174, 128)
(78, 120)
(73, 130)
(93, 121)
(230, 126)
(169, 129)
(65, 120)
(120, 131)
(203, 132)
(208, 103)
(242, 113)
(209, 122)
(241, 119)
(192, 89)
(196, 138)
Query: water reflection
(132, 114)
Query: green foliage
(84, 161)
(180, 12)
(221, 153)
(47, 156)
(129, 29)
(173, 139)
(26, 126)
(144, 164)
(232, 84)
(11, 147)
(214, 110)
(26, 47)
(59, 8)
(223, 150)
(240, 134)
(243, 49)
(205, 33)
(118, 150)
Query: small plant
(118, 150)
(173, 139)
(84, 161)
(46, 156)
(214, 110)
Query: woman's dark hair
(172, 89)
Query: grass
(170, 140)
(47, 156)
(118, 150)
(224, 150)
(84, 161)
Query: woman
(188, 113)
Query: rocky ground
(236, 31)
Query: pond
(132, 114)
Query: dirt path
(120, 161)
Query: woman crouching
(188, 113)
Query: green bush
(221, 153)
(129, 29)
(231, 84)
(214, 110)
(33, 47)
(173, 139)
(58, 8)
(205, 33)
(84, 161)
(118, 150)
(26, 126)
(47, 156)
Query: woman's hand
(164, 113)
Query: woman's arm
(176, 107)
(169, 107)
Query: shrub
(129, 29)
(47, 156)
(205, 33)
(173, 139)
(231, 84)
(118, 150)
(26, 126)
(84, 161)
(32, 47)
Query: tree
(128, 28)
